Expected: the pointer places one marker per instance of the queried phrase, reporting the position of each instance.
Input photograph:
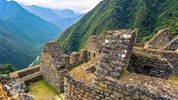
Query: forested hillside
(148, 16)
(22, 34)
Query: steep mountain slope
(22, 34)
(67, 22)
(147, 15)
(43, 13)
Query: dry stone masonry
(116, 56)
(171, 56)
(75, 59)
(159, 40)
(116, 52)
(172, 45)
(150, 65)
(27, 75)
(106, 84)
(53, 65)
(93, 47)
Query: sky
(79, 6)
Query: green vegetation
(41, 90)
(6, 69)
(149, 16)
(142, 59)
(22, 34)
(174, 79)
(124, 71)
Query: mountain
(43, 13)
(22, 34)
(62, 18)
(66, 13)
(67, 22)
(148, 16)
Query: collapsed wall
(27, 75)
(160, 39)
(171, 56)
(172, 45)
(149, 64)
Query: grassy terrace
(41, 90)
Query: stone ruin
(151, 65)
(172, 45)
(26, 76)
(93, 47)
(117, 55)
(116, 52)
(53, 65)
(159, 40)
(106, 83)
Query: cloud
(80, 6)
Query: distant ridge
(22, 34)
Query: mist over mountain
(22, 34)
(44, 13)
(66, 13)
(62, 18)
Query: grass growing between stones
(174, 79)
(42, 90)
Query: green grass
(174, 79)
(42, 90)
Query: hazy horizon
(78, 6)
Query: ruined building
(97, 72)
(159, 40)
(93, 47)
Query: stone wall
(28, 72)
(28, 75)
(83, 55)
(172, 45)
(53, 65)
(171, 56)
(152, 66)
(93, 47)
(116, 52)
(67, 60)
(112, 90)
(75, 58)
(160, 39)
